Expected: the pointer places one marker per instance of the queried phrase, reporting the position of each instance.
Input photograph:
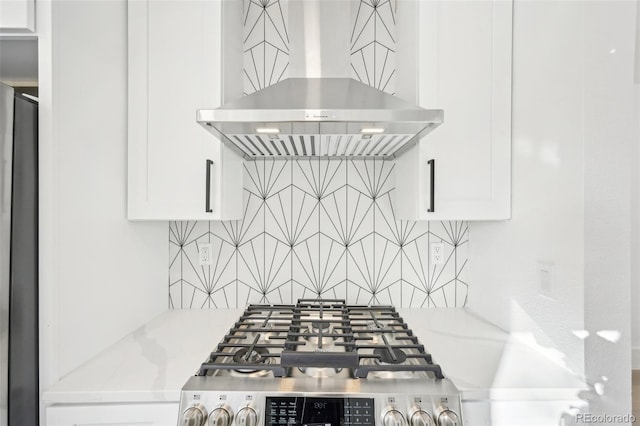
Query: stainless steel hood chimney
(319, 112)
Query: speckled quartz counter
(152, 364)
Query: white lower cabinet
(532, 412)
(476, 413)
(177, 170)
(457, 57)
(151, 414)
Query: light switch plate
(437, 253)
(546, 279)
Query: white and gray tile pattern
(318, 228)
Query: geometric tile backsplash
(318, 228)
(373, 43)
(266, 43)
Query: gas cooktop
(320, 363)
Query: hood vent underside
(319, 117)
(321, 145)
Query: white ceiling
(19, 62)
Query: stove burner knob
(194, 416)
(221, 416)
(446, 417)
(247, 416)
(419, 417)
(392, 417)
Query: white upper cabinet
(17, 17)
(456, 56)
(177, 170)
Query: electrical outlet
(205, 252)
(437, 253)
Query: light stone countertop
(153, 363)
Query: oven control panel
(319, 411)
(257, 409)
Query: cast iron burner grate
(321, 333)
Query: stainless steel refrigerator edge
(6, 146)
(19, 392)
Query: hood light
(372, 130)
(268, 130)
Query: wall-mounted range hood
(328, 117)
(318, 112)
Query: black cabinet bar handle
(432, 186)
(208, 185)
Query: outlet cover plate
(205, 254)
(437, 253)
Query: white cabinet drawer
(154, 414)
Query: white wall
(635, 240)
(19, 62)
(635, 244)
(547, 180)
(609, 143)
(635, 211)
(101, 276)
(572, 139)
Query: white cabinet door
(174, 69)
(17, 16)
(463, 63)
(152, 414)
(476, 413)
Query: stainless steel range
(320, 363)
